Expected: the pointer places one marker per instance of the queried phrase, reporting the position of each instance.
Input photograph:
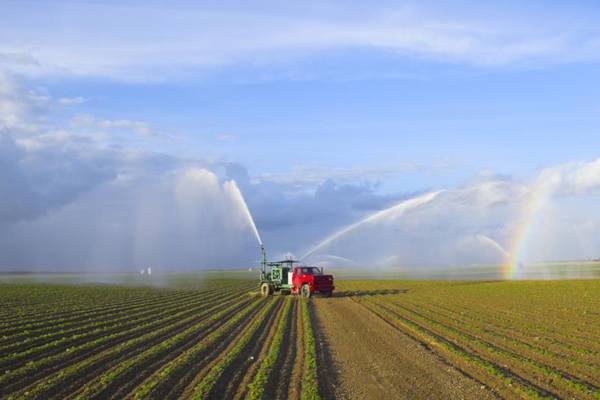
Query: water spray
(400, 208)
(239, 198)
(494, 244)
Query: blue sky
(377, 100)
(513, 122)
(390, 98)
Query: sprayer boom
(263, 262)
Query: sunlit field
(211, 335)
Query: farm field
(529, 339)
(214, 337)
(96, 342)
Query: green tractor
(288, 277)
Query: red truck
(309, 280)
(288, 276)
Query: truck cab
(308, 280)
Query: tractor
(289, 277)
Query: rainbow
(529, 216)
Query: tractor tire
(266, 289)
(305, 291)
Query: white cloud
(312, 175)
(154, 42)
(69, 201)
(90, 122)
(139, 127)
(18, 59)
(24, 112)
(225, 137)
(21, 109)
(587, 177)
(69, 101)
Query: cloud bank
(79, 193)
(492, 221)
(72, 201)
(179, 220)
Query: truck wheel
(305, 291)
(265, 289)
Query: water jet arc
(239, 199)
(400, 209)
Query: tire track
(328, 374)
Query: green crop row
(35, 324)
(46, 297)
(29, 339)
(257, 387)
(512, 340)
(546, 324)
(63, 375)
(154, 329)
(129, 318)
(39, 315)
(553, 312)
(535, 372)
(125, 325)
(183, 360)
(31, 320)
(202, 389)
(487, 372)
(103, 381)
(579, 343)
(310, 387)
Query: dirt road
(362, 357)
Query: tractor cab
(288, 276)
(276, 276)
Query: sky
(122, 124)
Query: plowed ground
(471, 340)
(375, 360)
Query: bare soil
(362, 357)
